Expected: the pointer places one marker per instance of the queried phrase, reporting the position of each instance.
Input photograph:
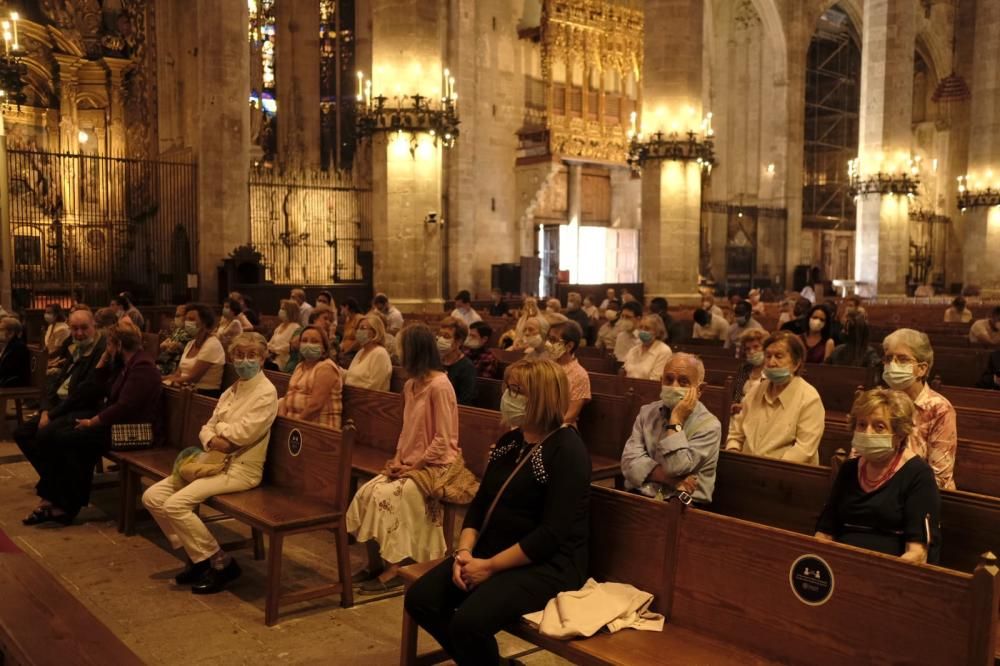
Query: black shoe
(45, 514)
(215, 580)
(193, 572)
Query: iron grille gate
(86, 227)
(312, 229)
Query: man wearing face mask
(708, 326)
(743, 322)
(477, 350)
(574, 312)
(908, 359)
(627, 323)
(461, 373)
(608, 332)
(77, 392)
(674, 447)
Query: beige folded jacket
(584, 612)
(452, 483)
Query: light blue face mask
(756, 359)
(311, 351)
(513, 409)
(778, 375)
(247, 368)
(645, 337)
(672, 395)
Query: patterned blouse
(300, 391)
(935, 437)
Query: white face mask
(556, 350)
(899, 375)
(513, 409)
(672, 395)
(873, 446)
(49, 317)
(533, 341)
(443, 344)
(816, 324)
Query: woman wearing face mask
(203, 359)
(56, 329)
(782, 417)
(315, 388)
(278, 345)
(647, 359)
(371, 367)
(172, 347)
(608, 332)
(885, 499)
(564, 340)
(533, 543)
(533, 336)
(856, 350)
(393, 513)
(818, 340)
(751, 372)
(908, 359)
(240, 425)
(529, 310)
(229, 323)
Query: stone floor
(126, 583)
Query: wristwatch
(676, 427)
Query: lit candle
(368, 93)
(451, 85)
(445, 93)
(14, 17)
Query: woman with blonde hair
(371, 367)
(529, 310)
(279, 345)
(886, 499)
(647, 359)
(524, 539)
(316, 386)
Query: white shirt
(624, 342)
(304, 311)
(394, 320)
(55, 335)
(210, 352)
(243, 416)
(279, 343)
(370, 370)
(641, 363)
(717, 329)
(982, 329)
(788, 427)
(470, 316)
(735, 331)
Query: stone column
(407, 46)
(982, 225)
(297, 63)
(882, 234)
(116, 110)
(671, 190)
(223, 137)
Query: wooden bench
(19, 394)
(42, 623)
(723, 584)
(305, 488)
(976, 398)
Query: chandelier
(900, 179)
(676, 145)
(412, 114)
(978, 191)
(12, 68)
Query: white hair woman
(647, 359)
(536, 330)
(908, 359)
(240, 425)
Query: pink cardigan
(430, 422)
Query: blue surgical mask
(778, 375)
(247, 368)
(672, 395)
(513, 409)
(873, 446)
(756, 359)
(645, 337)
(311, 351)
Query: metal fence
(87, 227)
(311, 228)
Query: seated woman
(391, 512)
(782, 417)
(532, 341)
(371, 367)
(908, 359)
(647, 359)
(751, 372)
(886, 499)
(856, 350)
(172, 347)
(66, 452)
(203, 359)
(241, 425)
(315, 389)
(229, 323)
(15, 359)
(279, 345)
(818, 340)
(529, 310)
(56, 329)
(563, 342)
(534, 544)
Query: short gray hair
(656, 323)
(918, 343)
(691, 361)
(251, 339)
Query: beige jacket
(584, 612)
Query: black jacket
(987, 381)
(86, 390)
(15, 364)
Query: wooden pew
(19, 394)
(977, 398)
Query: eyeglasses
(245, 356)
(898, 358)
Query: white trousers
(172, 505)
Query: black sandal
(43, 514)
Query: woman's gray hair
(918, 343)
(656, 323)
(244, 340)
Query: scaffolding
(833, 101)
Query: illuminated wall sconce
(893, 181)
(976, 192)
(413, 114)
(770, 169)
(675, 145)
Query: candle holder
(978, 199)
(413, 114)
(686, 147)
(883, 183)
(12, 68)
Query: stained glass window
(336, 83)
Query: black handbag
(131, 436)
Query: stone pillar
(407, 44)
(116, 109)
(223, 137)
(671, 190)
(982, 225)
(297, 62)
(882, 247)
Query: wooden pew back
(976, 398)
(175, 402)
(379, 417)
(280, 381)
(197, 413)
(310, 460)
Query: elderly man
(299, 296)
(609, 297)
(674, 447)
(393, 317)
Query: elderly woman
(240, 425)
(394, 512)
(203, 359)
(782, 417)
(886, 499)
(534, 545)
(172, 347)
(908, 359)
(229, 323)
(647, 359)
(563, 342)
(15, 359)
(532, 341)
(371, 367)
(751, 372)
(279, 345)
(315, 389)
(674, 446)
(529, 310)
(64, 453)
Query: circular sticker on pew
(295, 442)
(811, 579)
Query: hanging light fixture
(951, 89)
(12, 68)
